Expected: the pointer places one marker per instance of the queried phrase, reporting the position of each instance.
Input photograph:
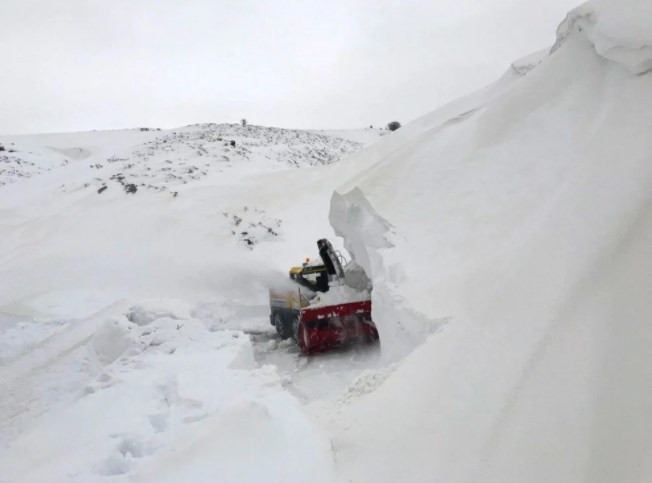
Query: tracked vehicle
(326, 306)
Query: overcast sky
(68, 65)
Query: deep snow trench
(135, 387)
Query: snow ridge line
(615, 44)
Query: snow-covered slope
(152, 157)
(149, 211)
(517, 225)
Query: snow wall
(509, 240)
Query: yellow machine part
(307, 270)
(291, 299)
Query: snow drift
(619, 31)
(516, 223)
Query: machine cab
(312, 277)
(317, 276)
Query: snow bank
(620, 31)
(517, 221)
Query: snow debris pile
(149, 310)
(112, 340)
(523, 221)
(339, 294)
(368, 381)
(155, 388)
(356, 287)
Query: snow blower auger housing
(327, 306)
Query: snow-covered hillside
(157, 160)
(144, 208)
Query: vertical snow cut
(526, 224)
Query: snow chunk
(112, 340)
(367, 382)
(148, 311)
(356, 278)
(340, 294)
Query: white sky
(68, 65)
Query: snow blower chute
(328, 305)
